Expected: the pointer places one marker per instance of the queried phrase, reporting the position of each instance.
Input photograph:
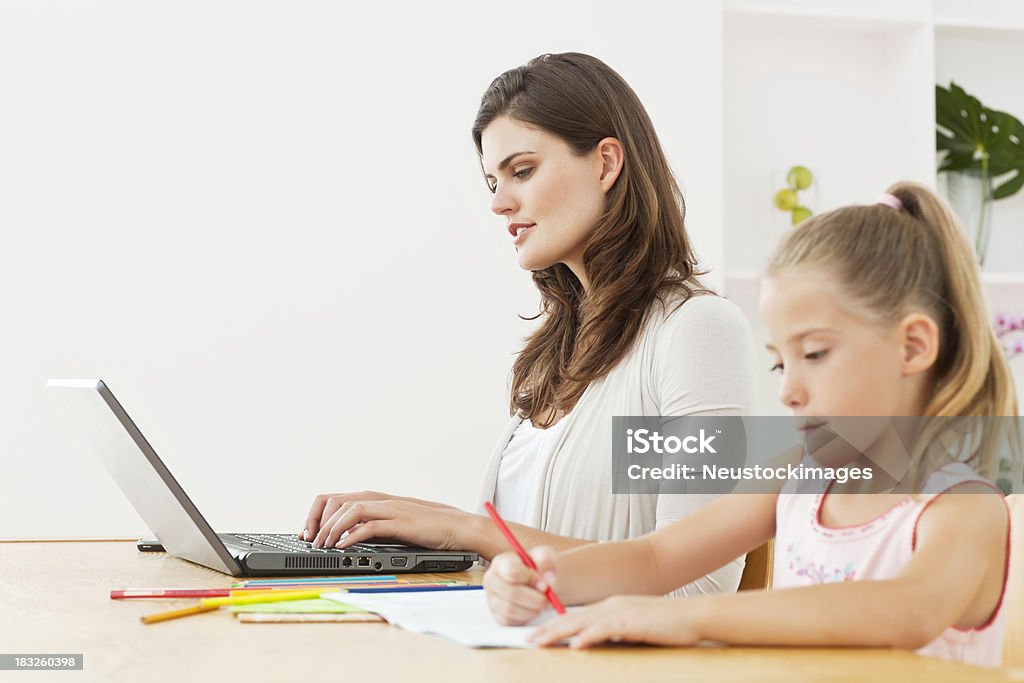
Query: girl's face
(844, 373)
(834, 359)
(550, 197)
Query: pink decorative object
(1008, 329)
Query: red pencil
(175, 592)
(527, 560)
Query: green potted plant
(982, 155)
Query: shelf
(951, 15)
(979, 15)
(946, 26)
(867, 15)
(1001, 279)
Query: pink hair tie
(892, 201)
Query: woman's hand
(515, 593)
(624, 618)
(327, 504)
(432, 526)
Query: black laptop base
(278, 554)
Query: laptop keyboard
(292, 544)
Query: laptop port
(399, 561)
(347, 562)
(436, 566)
(363, 562)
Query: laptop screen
(142, 476)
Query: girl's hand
(327, 504)
(417, 523)
(515, 593)
(631, 619)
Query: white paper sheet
(459, 616)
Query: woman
(626, 327)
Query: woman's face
(550, 197)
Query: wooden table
(54, 598)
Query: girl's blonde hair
(895, 261)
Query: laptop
(183, 531)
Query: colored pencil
(131, 593)
(324, 579)
(411, 589)
(523, 555)
(210, 604)
(175, 613)
(286, 618)
(262, 596)
(320, 584)
(344, 586)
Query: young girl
(869, 310)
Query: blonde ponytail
(973, 377)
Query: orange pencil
(246, 598)
(175, 613)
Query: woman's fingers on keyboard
(350, 516)
(344, 518)
(326, 505)
(330, 529)
(314, 517)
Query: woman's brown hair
(637, 254)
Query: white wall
(263, 224)
(852, 99)
(809, 93)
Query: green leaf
(960, 114)
(1005, 154)
(967, 132)
(1010, 187)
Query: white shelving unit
(985, 60)
(1000, 15)
(847, 89)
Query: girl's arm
(955, 578)
(653, 564)
(677, 554)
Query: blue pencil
(326, 579)
(412, 589)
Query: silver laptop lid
(142, 476)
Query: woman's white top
(521, 473)
(693, 359)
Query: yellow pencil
(268, 596)
(175, 613)
(209, 604)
